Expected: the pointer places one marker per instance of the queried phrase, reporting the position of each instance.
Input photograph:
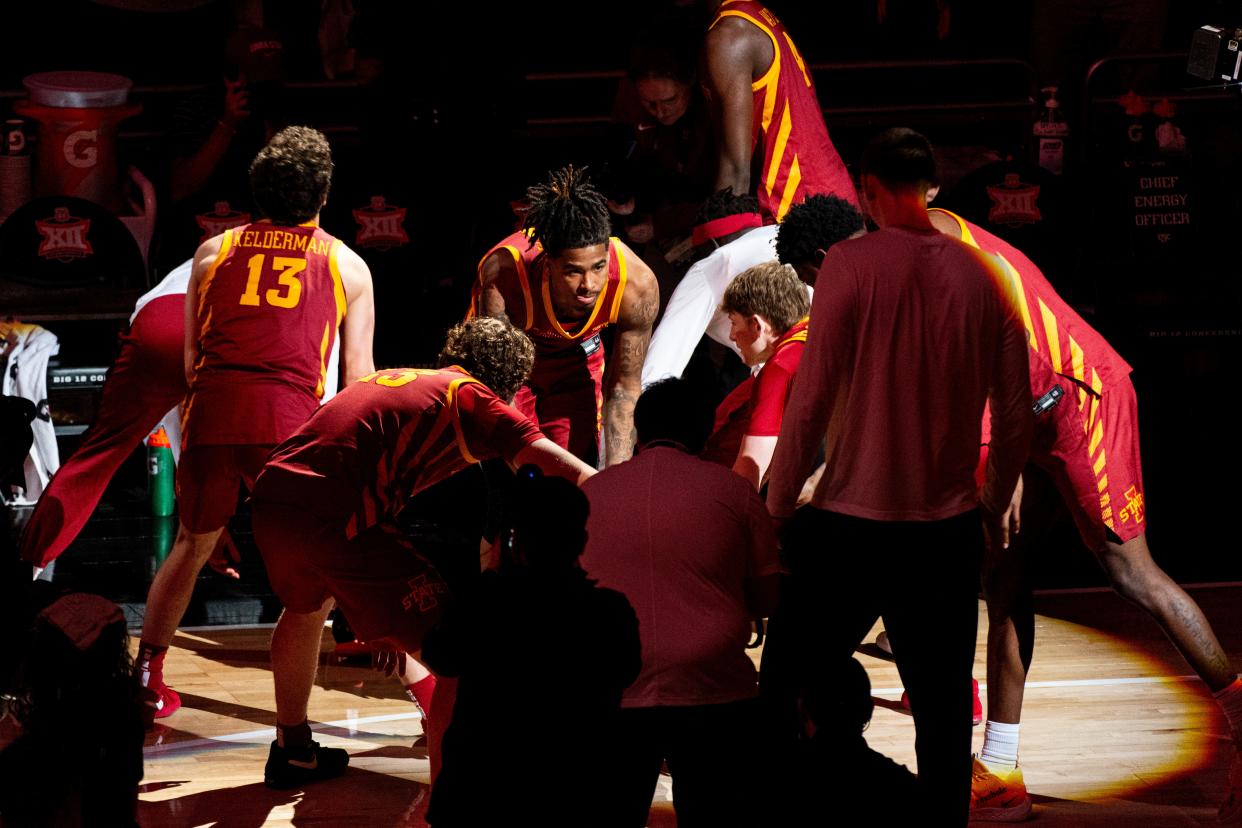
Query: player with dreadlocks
(562, 279)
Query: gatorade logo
(64, 237)
(381, 226)
(80, 148)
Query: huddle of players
(265, 302)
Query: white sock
(1230, 701)
(1000, 745)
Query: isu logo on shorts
(422, 594)
(64, 236)
(222, 218)
(1014, 203)
(381, 226)
(1133, 510)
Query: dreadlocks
(567, 212)
(817, 223)
(725, 203)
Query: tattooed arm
(623, 381)
(487, 299)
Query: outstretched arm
(554, 461)
(730, 55)
(623, 381)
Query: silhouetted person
(835, 775)
(542, 656)
(71, 737)
(691, 546)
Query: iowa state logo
(222, 218)
(1014, 203)
(64, 236)
(381, 226)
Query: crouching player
(326, 503)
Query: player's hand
(1012, 517)
(236, 101)
(225, 551)
(389, 662)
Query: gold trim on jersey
(768, 80)
(338, 283)
(623, 268)
(599, 303)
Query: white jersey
(24, 353)
(694, 308)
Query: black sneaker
(294, 767)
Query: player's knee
(1135, 580)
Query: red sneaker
(976, 716)
(160, 702)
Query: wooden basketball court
(1115, 731)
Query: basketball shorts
(391, 595)
(208, 478)
(564, 397)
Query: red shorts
(207, 481)
(564, 397)
(390, 594)
(1089, 445)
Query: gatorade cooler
(78, 115)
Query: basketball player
(767, 306)
(562, 279)
(1087, 440)
(262, 308)
(325, 511)
(760, 89)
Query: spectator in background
(665, 164)
(214, 135)
(71, 738)
(767, 307)
(691, 546)
(566, 727)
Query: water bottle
(160, 473)
(1051, 131)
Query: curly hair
(771, 290)
(567, 212)
(817, 223)
(725, 203)
(290, 177)
(492, 351)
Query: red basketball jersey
(268, 310)
(528, 300)
(798, 157)
(390, 435)
(1058, 336)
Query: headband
(718, 228)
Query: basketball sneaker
(976, 712)
(1230, 812)
(294, 767)
(997, 795)
(158, 702)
